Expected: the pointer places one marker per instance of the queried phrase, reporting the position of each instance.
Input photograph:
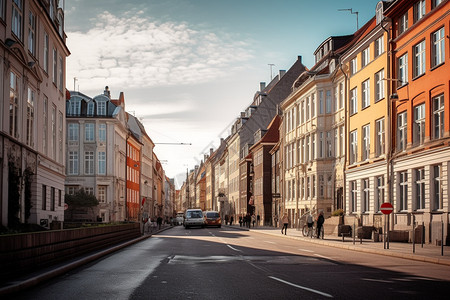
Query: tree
(81, 200)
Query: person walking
(159, 222)
(231, 220)
(310, 222)
(240, 220)
(285, 221)
(320, 221)
(253, 220)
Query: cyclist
(310, 222)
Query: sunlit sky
(187, 68)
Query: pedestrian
(231, 220)
(253, 220)
(310, 222)
(258, 219)
(226, 219)
(159, 222)
(320, 221)
(249, 220)
(285, 221)
(240, 220)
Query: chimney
(242, 114)
(299, 58)
(106, 92)
(281, 74)
(211, 150)
(262, 86)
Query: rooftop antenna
(271, 74)
(352, 12)
(74, 83)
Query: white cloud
(134, 51)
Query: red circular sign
(386, 208)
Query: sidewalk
(429, 253)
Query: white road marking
(321, 256)
(305, 250)
(377, 280)
(302, 287)
(270, 242)
(233, 248)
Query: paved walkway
(429, 253)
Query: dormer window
(379, 12)
(90, 109)
(101, 108)
(74, 107)
(51, 9)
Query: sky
(187, 68)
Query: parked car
(212, 218)
(194, 217)
(179, 218)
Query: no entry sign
(386, 208)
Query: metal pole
(442, 238)
(353, 232)
(413, 234)
(423, 234)
(384, 233)
(387, 232)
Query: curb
(435, 260)
(18, 286)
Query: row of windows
(73, 132)
(306, 187)
(73, 166)
(50, 197)
(307, 107)
(426, 184)
(420, 118)
(330, 144)
(101, 191)
(15, 119)
(365, 142)
(437, 57)
(378, 49)
(365, 92)
(133, 153)
(419, 11)
(98, 106)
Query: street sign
(386, 208)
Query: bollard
(354, 233)
(413, 234)
(423, 233)
(442, 239)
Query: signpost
(386, 208)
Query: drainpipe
(344, 190)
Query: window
(61, 137)
(89, 132)
(321, 145)
(419, 10)
(313, 105)
(379, 145)
(438, 116)
(90, 108)
(403, 69)
(71, 190)
(74, 108)
(308, 187)
(89, 162)
(341, 95)
(44, 197)
(51, 10)
(101, 194)
(16, 20)
(302, 115)
(435, 3)
(73, 132)
(420, 188)
(32, 33)
(307, 109)
(45, 127)
(2, 9)
(102, 162)
(366, 194)
(89, 190)
(46, 50)
(73, 163)
(353, 66)
(353, 101)
(328, 102)
(341, 141)
(329, 145)
(419, 59)
(437, 47)
(307, 158)
(353, 146)
(321, 104)
(401, 131)
(366, 142)
(30, 118)
(403, 190)
(403, 23)
(379, 85)
(379, 198)
(365, 57)
(314, 186)
(419, 124)
(61, 74)
(55, 66)
(321, 186)
(54, 131)
(102, 132)
(313, 146)
(379, 46)
(52, 199)
(354, 195)
(437, 188)
(14, 105)
(365, 94)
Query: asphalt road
(223, 263)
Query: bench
(344, 230)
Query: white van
(194, 217)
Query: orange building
(420, 153)
(133, 178)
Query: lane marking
(302, 287)
(321, 256)
(270, 242)
(233, 248)
(377, 280)
(305, 250)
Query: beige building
(32, 112)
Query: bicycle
(312, 231)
